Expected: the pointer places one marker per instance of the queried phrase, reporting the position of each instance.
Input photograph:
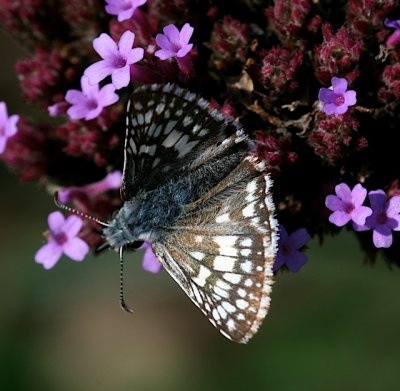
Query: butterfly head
(128, 226)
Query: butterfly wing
(221, 251)
(168, 129)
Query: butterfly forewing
(222, 255)
(168, 128)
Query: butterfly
(193, 189)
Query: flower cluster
(318, 91)
(382, 217)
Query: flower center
(338, 100)
(92, 104)
(348, 207)
(61, 238)
(382, 218)
(286, 250)
(119, 62)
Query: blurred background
(333, 325)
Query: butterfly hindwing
(222, 250)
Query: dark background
(335, 325)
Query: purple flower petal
(362, 227)
(120, 77)
(11, 128)
(343, 192)
(173, 35)
(360, 214)
(326, 95)
(185, 50)
(48, 255)
(135, 55)
(381, 241)
(73, 96)
(339, 85)
(8, 126)
(341, 109)
(56, 221)
(150, 261)
(3, 113)
(358, 194)
(186, 33)
(279, 262)
(299, 238)
(392, 23)
(329, 108)
(333, 203)
(350, 98)
(163, 42)
(76, 249)
(339, 218)
(126, 42)
(107, 95)
(77, 112)
(89, 90)
(163, 54)
(124, 9)
(98, 71)
(393, 206)
(377, 199)
(296, 261)
(72, 225)
(105, 46)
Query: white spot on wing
(171, 139)
(197, 255)
(228, 306)
(232, 277)
(168, 127)
(223, 218)
(224, 264)
(246, 266)
(201, 278)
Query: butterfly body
(193, 190)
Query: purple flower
(150, 261)
(123, 8)
(395, 37)
(57, 109)
(288, 252)
(113, 180)
(174, 43)
(338, 99)
(8, 126)
(62, 238)
(116, 59)
(384, 219)
(347, 205)
(89, 102)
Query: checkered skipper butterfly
(192, 189)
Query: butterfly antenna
(77, 212)
(122, 303)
